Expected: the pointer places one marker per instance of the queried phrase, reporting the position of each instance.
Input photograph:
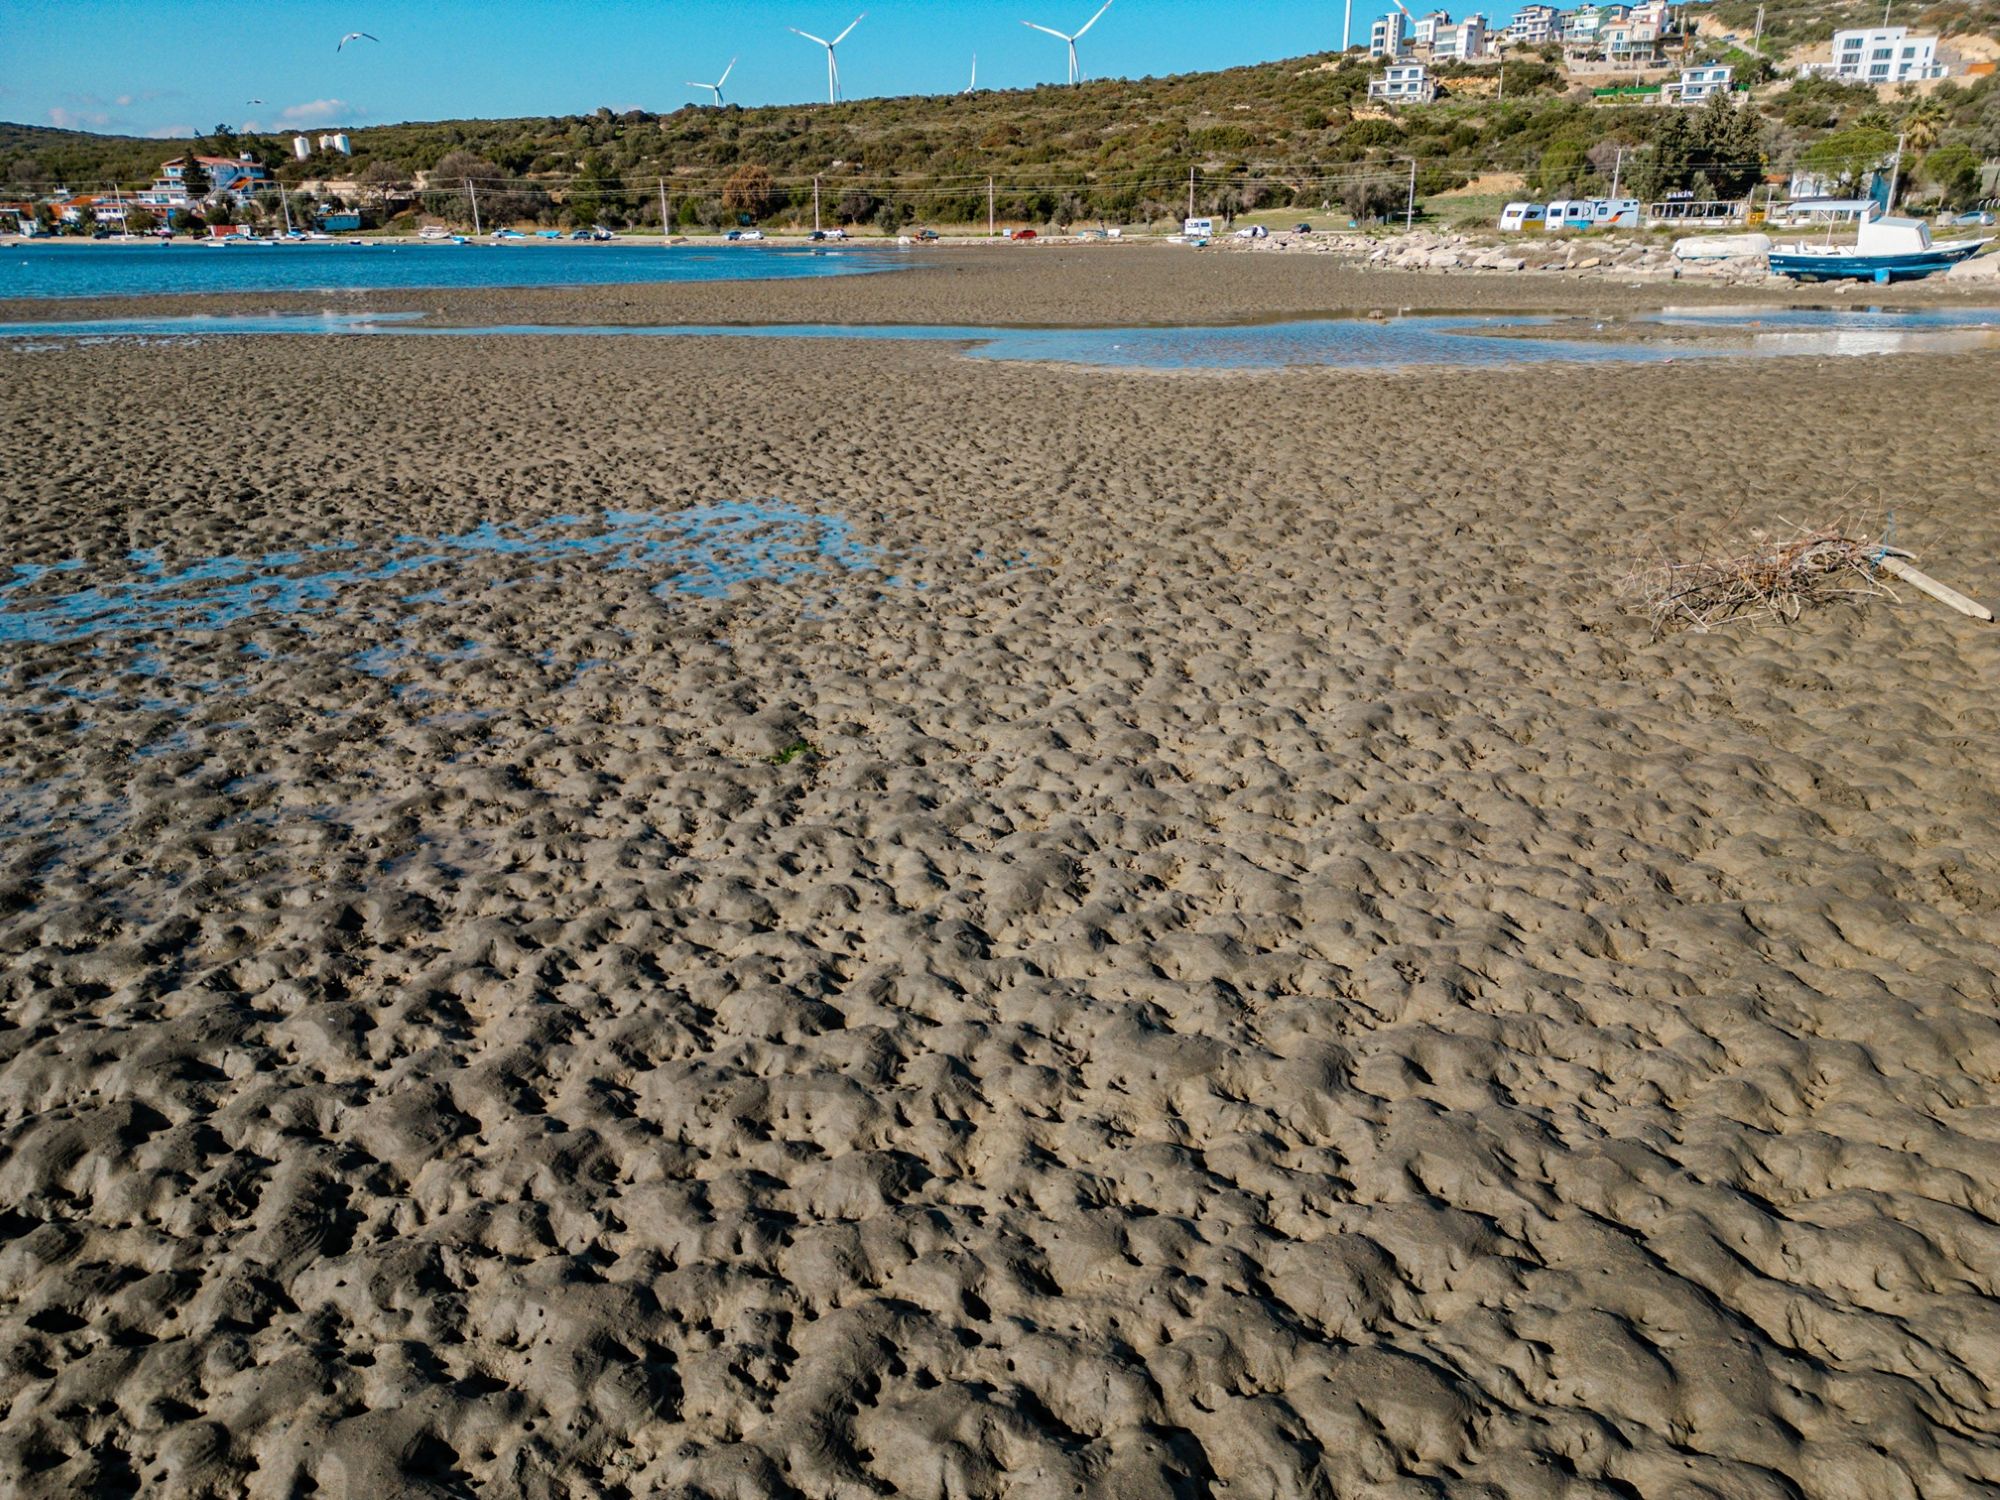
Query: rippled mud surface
(615, 918)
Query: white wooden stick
(1938, 591)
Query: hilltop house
(236, 177)
(1389, 36)
(1403, 83)
(1699, 85)
(1534, 26)
(1460, 43)
(1883, 54)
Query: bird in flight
(260, 101)
(356, 36)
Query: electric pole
(472, 193)
(1410, 209)
(666, 224)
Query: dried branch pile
(1778, 580)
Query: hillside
(1790, 24)
(1295, 131)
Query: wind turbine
(715, 88)
(832, 67)
(973, 87)
(1075, 74)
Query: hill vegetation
(1791, 24)
(1296, 132)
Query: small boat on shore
(1884, 250)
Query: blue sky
(145, 67)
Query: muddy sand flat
(1108, 936)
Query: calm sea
(99, 270)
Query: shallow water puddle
(705, 551)
(1351, 342)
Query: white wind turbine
(715, 88)
(973, 87)
(1075, 73)
(833, 67)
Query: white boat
(1884, 250)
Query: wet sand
(1214, 963)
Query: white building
(1389, 36)
(1403, 83)
(1534, 26)
(337, 142)
(1884, 54)
(1424, 34)
(1699, 85)
(301, 147)
(1461, 43)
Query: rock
(1981, 268)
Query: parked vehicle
(927, 234)
(1194, 228)
(1979, 216)
(1591, 213)
(750, 234)
(1302, 229)
(1024, 234)
(1518, 218)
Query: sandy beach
(1182, 945)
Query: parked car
(836, 234)
(734, 234)
(1978, 216)
(750, 234)
(1302, 229)
(927, 234)
(1023, 234)
(580, 234)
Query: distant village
(1643, 39)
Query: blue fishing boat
(1884, 250)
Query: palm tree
(1923, 124)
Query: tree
(597, 197)
(1954, 171)
(194, 178)
(140, 220)
(1846, 157)
(855, 205)
(1564, 167)
(1367, 198)
(749, 191)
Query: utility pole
(815, 204)
(1757, 39)
(1617, 170)
(1190, 212)
(472, 193)
(286, 199)
(1410, 209)
(1895, 176)
(990, 229)
(666, 224)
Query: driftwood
(1892, 562)
(1776, 580)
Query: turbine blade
(725, 73)
(1034, 26)
(850, 26)
(1093, 20)
(810, 37)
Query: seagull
(260, 101)
(356, 36)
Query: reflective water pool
(705, 552)
(1357, 342)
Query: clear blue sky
(145, 67)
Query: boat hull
(1880, 269)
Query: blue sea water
(157, 269)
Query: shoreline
(1045, 286)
